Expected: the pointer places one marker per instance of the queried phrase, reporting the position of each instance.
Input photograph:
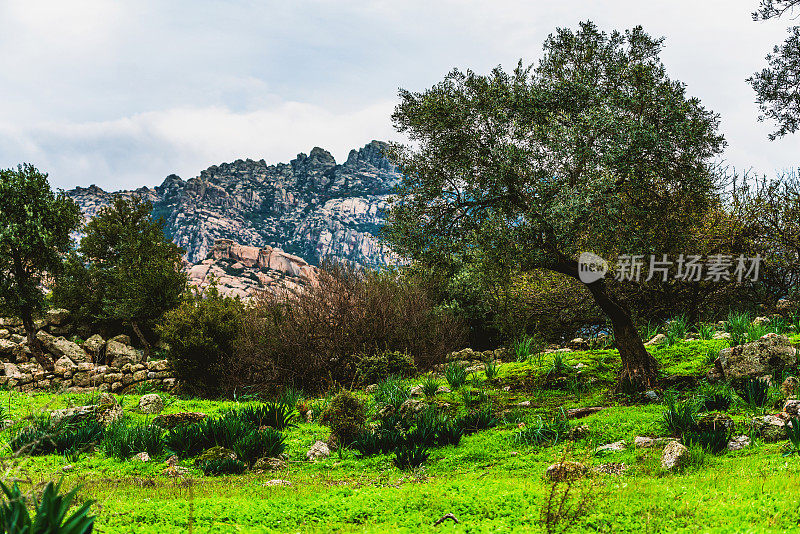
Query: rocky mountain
(311, 207)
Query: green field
(491, 482)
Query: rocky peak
(311, 207)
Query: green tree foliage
(35, 227)
(201, 333)
(595, 148)
(125, 271)
(776, 87)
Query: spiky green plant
(676, 330)
(755, 392)
(713, 440)
(267, 443)
(430, 385)
(543, 432)
(225, 466)
(391, 392)
(456, 375)
(737, 326)
(679, 417)
(755, 332)
(411, 456)
(490, 369)
(277, 415)
(706, 331)
(122, 440)
(50, 512)
(523, 348)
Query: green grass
(492, 481)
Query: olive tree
(594, 149)
(35, 227)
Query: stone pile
(106, 365)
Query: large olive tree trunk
(639, 368)
(33, 341)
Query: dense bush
(316, 337)
(201, 334)
(375, 367)
(346, 417)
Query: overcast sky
(121, 94)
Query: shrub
(679, 418)
(377, 366)
(122, 440)
(346, 417)
(273, 414)
(455, 374)
(50, 512)
(225, 466)
(315, 337)
(411, 456)
(755, 392)
(268, 443)
(201, 334)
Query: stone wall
(106, 365)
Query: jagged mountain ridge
(311, 207)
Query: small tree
(202, 336)
(776, 86)
(125, 272)
(595, 149)
(35, 227)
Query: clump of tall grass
(456, 375)
(737, 326)
(123, 439)
(391, 392)
(677, 329)
(679, 417)
(430, 385)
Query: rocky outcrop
(311, 207)
(762, 357)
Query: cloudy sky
(121, 94)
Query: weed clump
(346, 417)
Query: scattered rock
(651, 396)
(614, 469)
(95, 346)
(442, 389)
(762, 357)
(789, 386)
(792, 407)
(562, 471)
(412, 407)
(674, 456)
(269, 464)
(643, 442)
(118, 354)
(579, 432)
(761, 321)
(318, 451)
(57, 317)
(578, 344)
(524, 404)
(612, 447)
(721, 335)
(151, 403)
(173, 420)
(769, 427)
(370, 389)
(215, 454)
(142, 457)
(277, 482)
(657, 339)
(122, 339)
(738, 443)
(59, 347)
(715, 420)
(68, 468)
(415, 391)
